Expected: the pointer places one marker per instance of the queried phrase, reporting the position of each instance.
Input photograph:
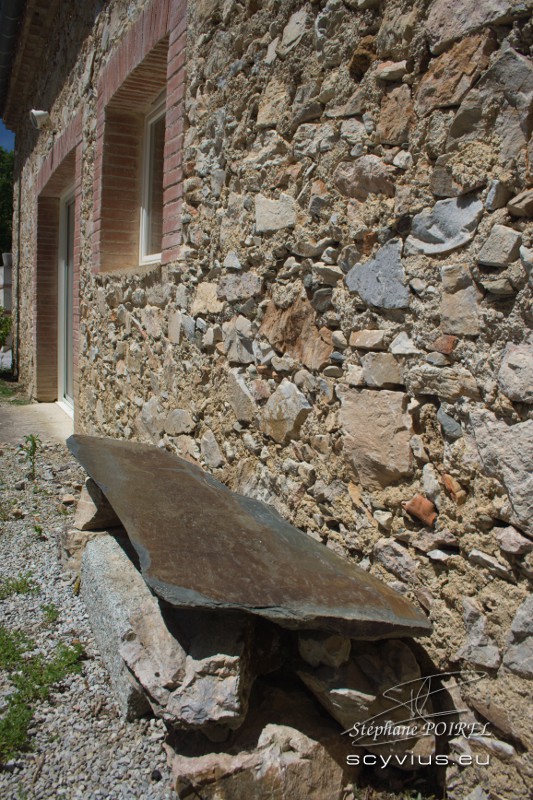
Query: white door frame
(63, 399)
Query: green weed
(13, 644)
(51, 612)
(29, 451)
(21, 584)
(5, 513)
(10, 394)
(32, 678)
(6, 392)
(40, 534)
(6, 323)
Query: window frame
(157, 113)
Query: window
(152, 185)
(138, 167)
(129, 173)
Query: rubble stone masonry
(340, 321)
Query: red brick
(177, 20)
(171, 254)
(174, 192)
(176, 66)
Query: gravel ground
(80, 748)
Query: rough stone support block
(286, 750)
(118, 603)
(72, 545)
(214, 692)
(93, 512)
(354, 691)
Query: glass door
(66, 304)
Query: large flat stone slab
(201, 545)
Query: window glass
(152, 211)
(155, 222)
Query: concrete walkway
(45, 419)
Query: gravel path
(80, 748)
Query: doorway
(65, 285)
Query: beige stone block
(377, 430)
(93, 511)
(206, 300)
(72, 544)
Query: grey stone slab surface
(381, 281)
(516, 372)
(201, 545)
(448, 225)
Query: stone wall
(345, 332)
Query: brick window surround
(60, 171)
(149, 58)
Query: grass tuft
(10, 393)
(32, 678)
(22, 584)
(51, 612)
